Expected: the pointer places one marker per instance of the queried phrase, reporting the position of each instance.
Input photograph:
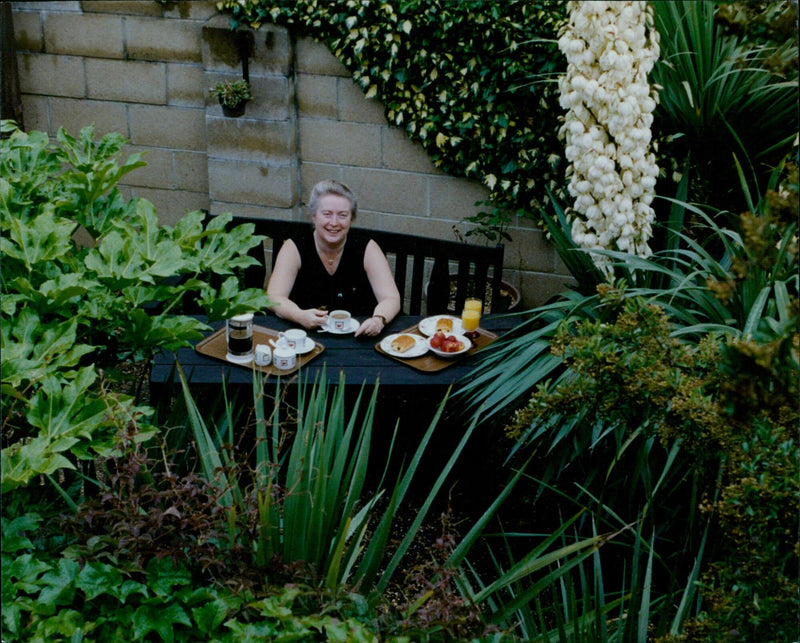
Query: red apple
(437, 339)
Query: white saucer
(239, 359)
(306, 348)
(420, 346)
(428, 325)
(352, 327)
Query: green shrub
(72, 311)
(73, 595)
(669, 401)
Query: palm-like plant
(309, 485)
(747, 293)
(719, 98)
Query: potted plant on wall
(232, 95)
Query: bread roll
(402, 343)
(444, 324)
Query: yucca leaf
(209, 456)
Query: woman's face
(332, 218)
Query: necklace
(327, 260)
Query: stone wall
(144, 70)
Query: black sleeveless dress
(348, 288)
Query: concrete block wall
(132, 67)
(145, 70)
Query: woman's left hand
(371, 326)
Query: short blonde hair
(329, 186)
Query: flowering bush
(610, 48)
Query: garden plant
(113, 528)
(646, 416)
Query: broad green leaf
(211, 615)
(55, 295)
(232, 301)
(129, 588)
(255, 632)
(12, 618)
(21, 462)
(162, 255)
(99, 578)
(31, 350)
(25, 571)
(158, 618)
(14, 532)
(65, 407)
(65, 622)
(163, 575)
(59, 586)
(165, 331)
(221, 252)
(116, 262)
(45, 238)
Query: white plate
(306, 348)
(461, 338)
(239, 359)
(420, 346)
(428, 325)
(352, 327)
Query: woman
(323, 271)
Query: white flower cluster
(610, 48)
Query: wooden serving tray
(431, 362)
(216, 346)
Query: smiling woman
(323, 270)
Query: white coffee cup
(294, 338)
(263, 356)
(339, 320)
(284, 357)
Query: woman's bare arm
(381, 279)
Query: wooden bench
(475, 268)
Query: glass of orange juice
(471, 317)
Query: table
(355, 356)
(407, 398)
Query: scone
(402, 343)
(445, 325)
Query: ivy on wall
(474, 81)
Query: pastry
(444, 324)
(402, 343)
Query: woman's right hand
(311, 318)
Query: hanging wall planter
(232, 96)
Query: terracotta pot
(510, 297)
